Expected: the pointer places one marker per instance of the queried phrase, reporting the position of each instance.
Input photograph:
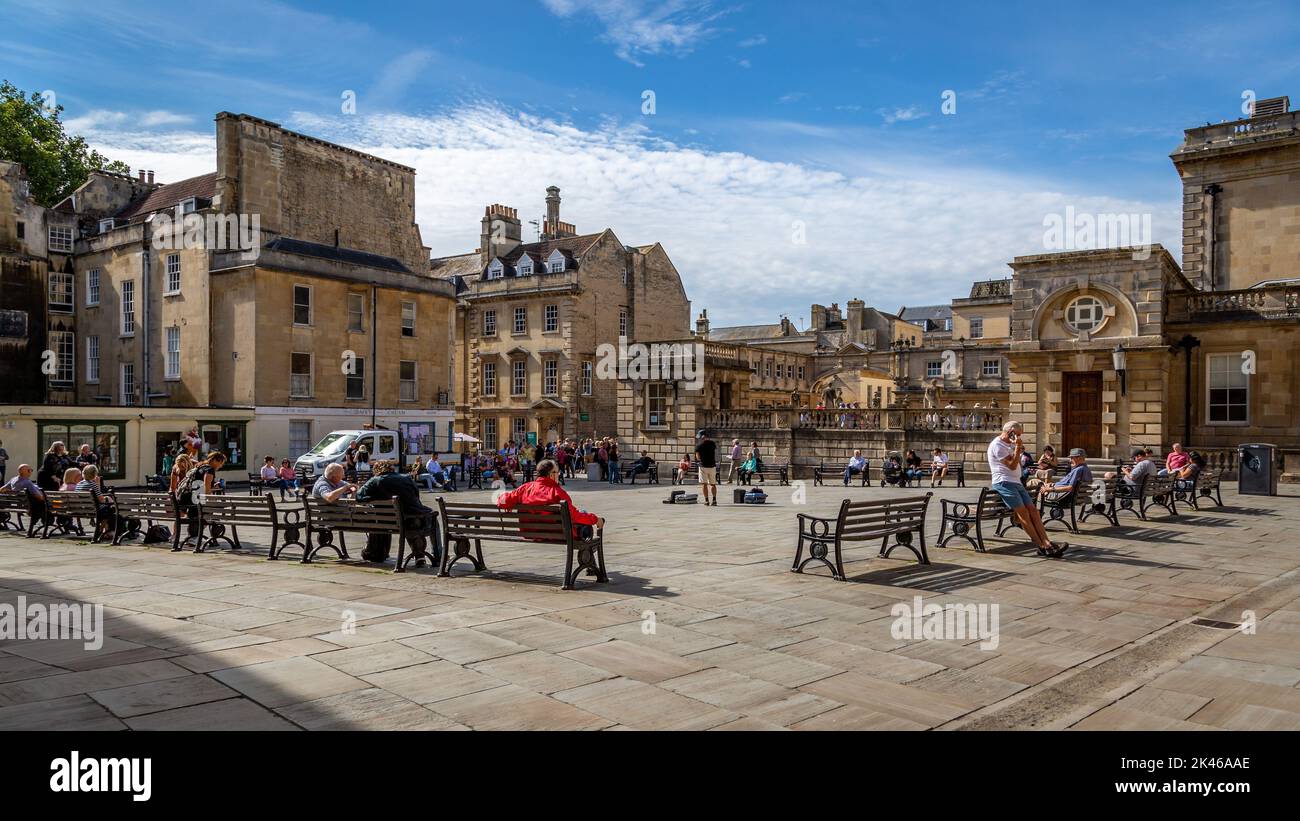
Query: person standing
(1004, 454)
(612, 456)
(4, 457)
(52, 467)
(706, 451)
(737, 456)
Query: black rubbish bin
(1257, 470)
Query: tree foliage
(32, 133)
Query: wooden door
(1081, 413)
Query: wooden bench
(956, 469)
(157, 483)
(860, 522)
(1056, 504)
(325, 520)
(137, 512)
(1204, 486)
(219, 513)
(1097, 498)
(651, 473)
(781, 469)
(534, 524)
(681, 478)
(962, 517)
(821, 472)
(66, 509)
(256, 484)
(13, 507)
(1151, 491)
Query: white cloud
(897, 232)
(750, 42)
(902, 115)
(637, 28)
(100, 119)
(153, 119)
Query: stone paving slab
(702, 627)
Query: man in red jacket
(544, 490)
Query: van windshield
(331, 445)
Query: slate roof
(736, 333)
(352, 256)
(166, 197)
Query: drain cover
(1217, 625)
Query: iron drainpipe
(374, 353)
(1187, 343)
(145, 293)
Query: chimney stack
(150, 177)
(501, 232)
(552, 228)
(856, 308)
(702, 324)
(141, 176)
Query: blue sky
(797, 148)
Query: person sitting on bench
(643, 464)
(1079, 473)
(388, 484)
(855, 466)
(22, 483)
(544, 490)
(331, 486)
(938, 467)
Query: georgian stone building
(294, 299)
(532, 317)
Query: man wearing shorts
(1004, 466)
(707, 452)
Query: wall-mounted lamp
(1119, 357)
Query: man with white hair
(1004, 454)
(331, 486)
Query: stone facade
(533, 317)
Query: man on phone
(1004, 454)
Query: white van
(381, 444)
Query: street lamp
(1119, 357)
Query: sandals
(1055, 551)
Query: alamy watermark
(1073, 231)
(210, 231)
(38, 620)
(675, 361)
(950, 622)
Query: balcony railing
(1221, 133)
(1272, 302)
(882, 419)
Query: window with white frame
(357, 312)
(356, 379)
(61, 239)
(1227, 390)
(302, 304)
(767, 369)
(92, 287)
(92, 360)
(172, 369)
(992, 367)
(300, 375)
(622, 324)
(552, 318)
(519, 429)
(656, 405)
(408, 318)
(64, 345)
(299, 437)
(490, 434)
(933, 368)
(521, 320)
(525, 266)
(173, 274)
(128, 307)
(555, 263)
(977, 327)
(587, 369)
(1085, 314)
(489, 379)
(406, 377)
(550, 377)
(61, 297)
(105, 226)
(518, 377)
(188, 205)
(126, 394)
(496, 269)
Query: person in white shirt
(938, 466)
(1004, 454)
(856, 465)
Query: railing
(842, 419)
(1241, 129)
(747, 419)
(1273, 302)
(978, 419)
(722, 353)
(878, 419)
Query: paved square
(703, 626)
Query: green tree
(32, 134)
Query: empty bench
(1151, 491)
(327, 520)
(861, 522)
(137, 512)
(529, 524)
(221, 513)
(13, 507)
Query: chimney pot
(150, 176)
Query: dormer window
(525, 266)
(555, 263)
(105, 226)
(188, 206)
(496, 270)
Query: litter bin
(1257, 469)
(593, 472)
